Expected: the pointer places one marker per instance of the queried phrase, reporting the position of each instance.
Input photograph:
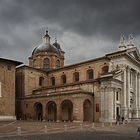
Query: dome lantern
(46, 38)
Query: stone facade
(96, 90)
(7, 89)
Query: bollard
(81, 126)
(110, 123)
(65, 127)
(103, 125)
(123, 122)
(45, 128)
(19, 131)
(118, 123)
(93, 125)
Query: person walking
(138, 130)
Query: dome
(45, 48)
(57, 45)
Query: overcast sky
(85, 29)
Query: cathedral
(97, 90)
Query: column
(110, 104)
(44, 111)
(128, 86)
(58, 117)
(138, 99)
(136, 95)
(102, 103)
(124, 95)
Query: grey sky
(85, 29)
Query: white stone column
(110, 104)
(138, 99)
(135, 115)
(102, 103)
(128, 87)
(124, 95)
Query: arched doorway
(87, 110)
(38, 109)
(67, 110)
(51, 109)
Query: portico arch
(38, 111)
(51, 111)
(87, 110)
(67, 110)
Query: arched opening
(41, 81)
(57, 63)
(51, 109)
(105, 69)
(52, 81)
(46, 63)
(38, 109)
(87, 110)
(76, 76)
(90, 74)
(63, 79)
(34, 63)
(67, 110)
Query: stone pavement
(73, 131)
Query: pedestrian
(117, 119)
(122, 119)
(138, 130)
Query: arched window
(63, 79)
(90, 74)
(104, 69)
(41, 81)
(52, 81)
(76, 76)
(57, 63)
(46, 63)
(34, 63)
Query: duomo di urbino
(97, 90)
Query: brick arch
(87, 110)
(51, 108)
(38, 111)
(67, 110)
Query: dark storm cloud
(22, 21)
(87, 17)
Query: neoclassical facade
(94, 90)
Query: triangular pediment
(134, 53)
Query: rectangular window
(97, 108)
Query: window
(46, 63)
(9, 67)
(89, 74)
(58, 63)
(117, 96)
(76, 76)
(52, 81)
(97, 108)
(26, 105)
(41, 81)
(63, 79)
(104, 69)
(34, 63)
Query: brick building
(94, 90)
(7, 88)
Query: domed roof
(45, 48)
(57, 45)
